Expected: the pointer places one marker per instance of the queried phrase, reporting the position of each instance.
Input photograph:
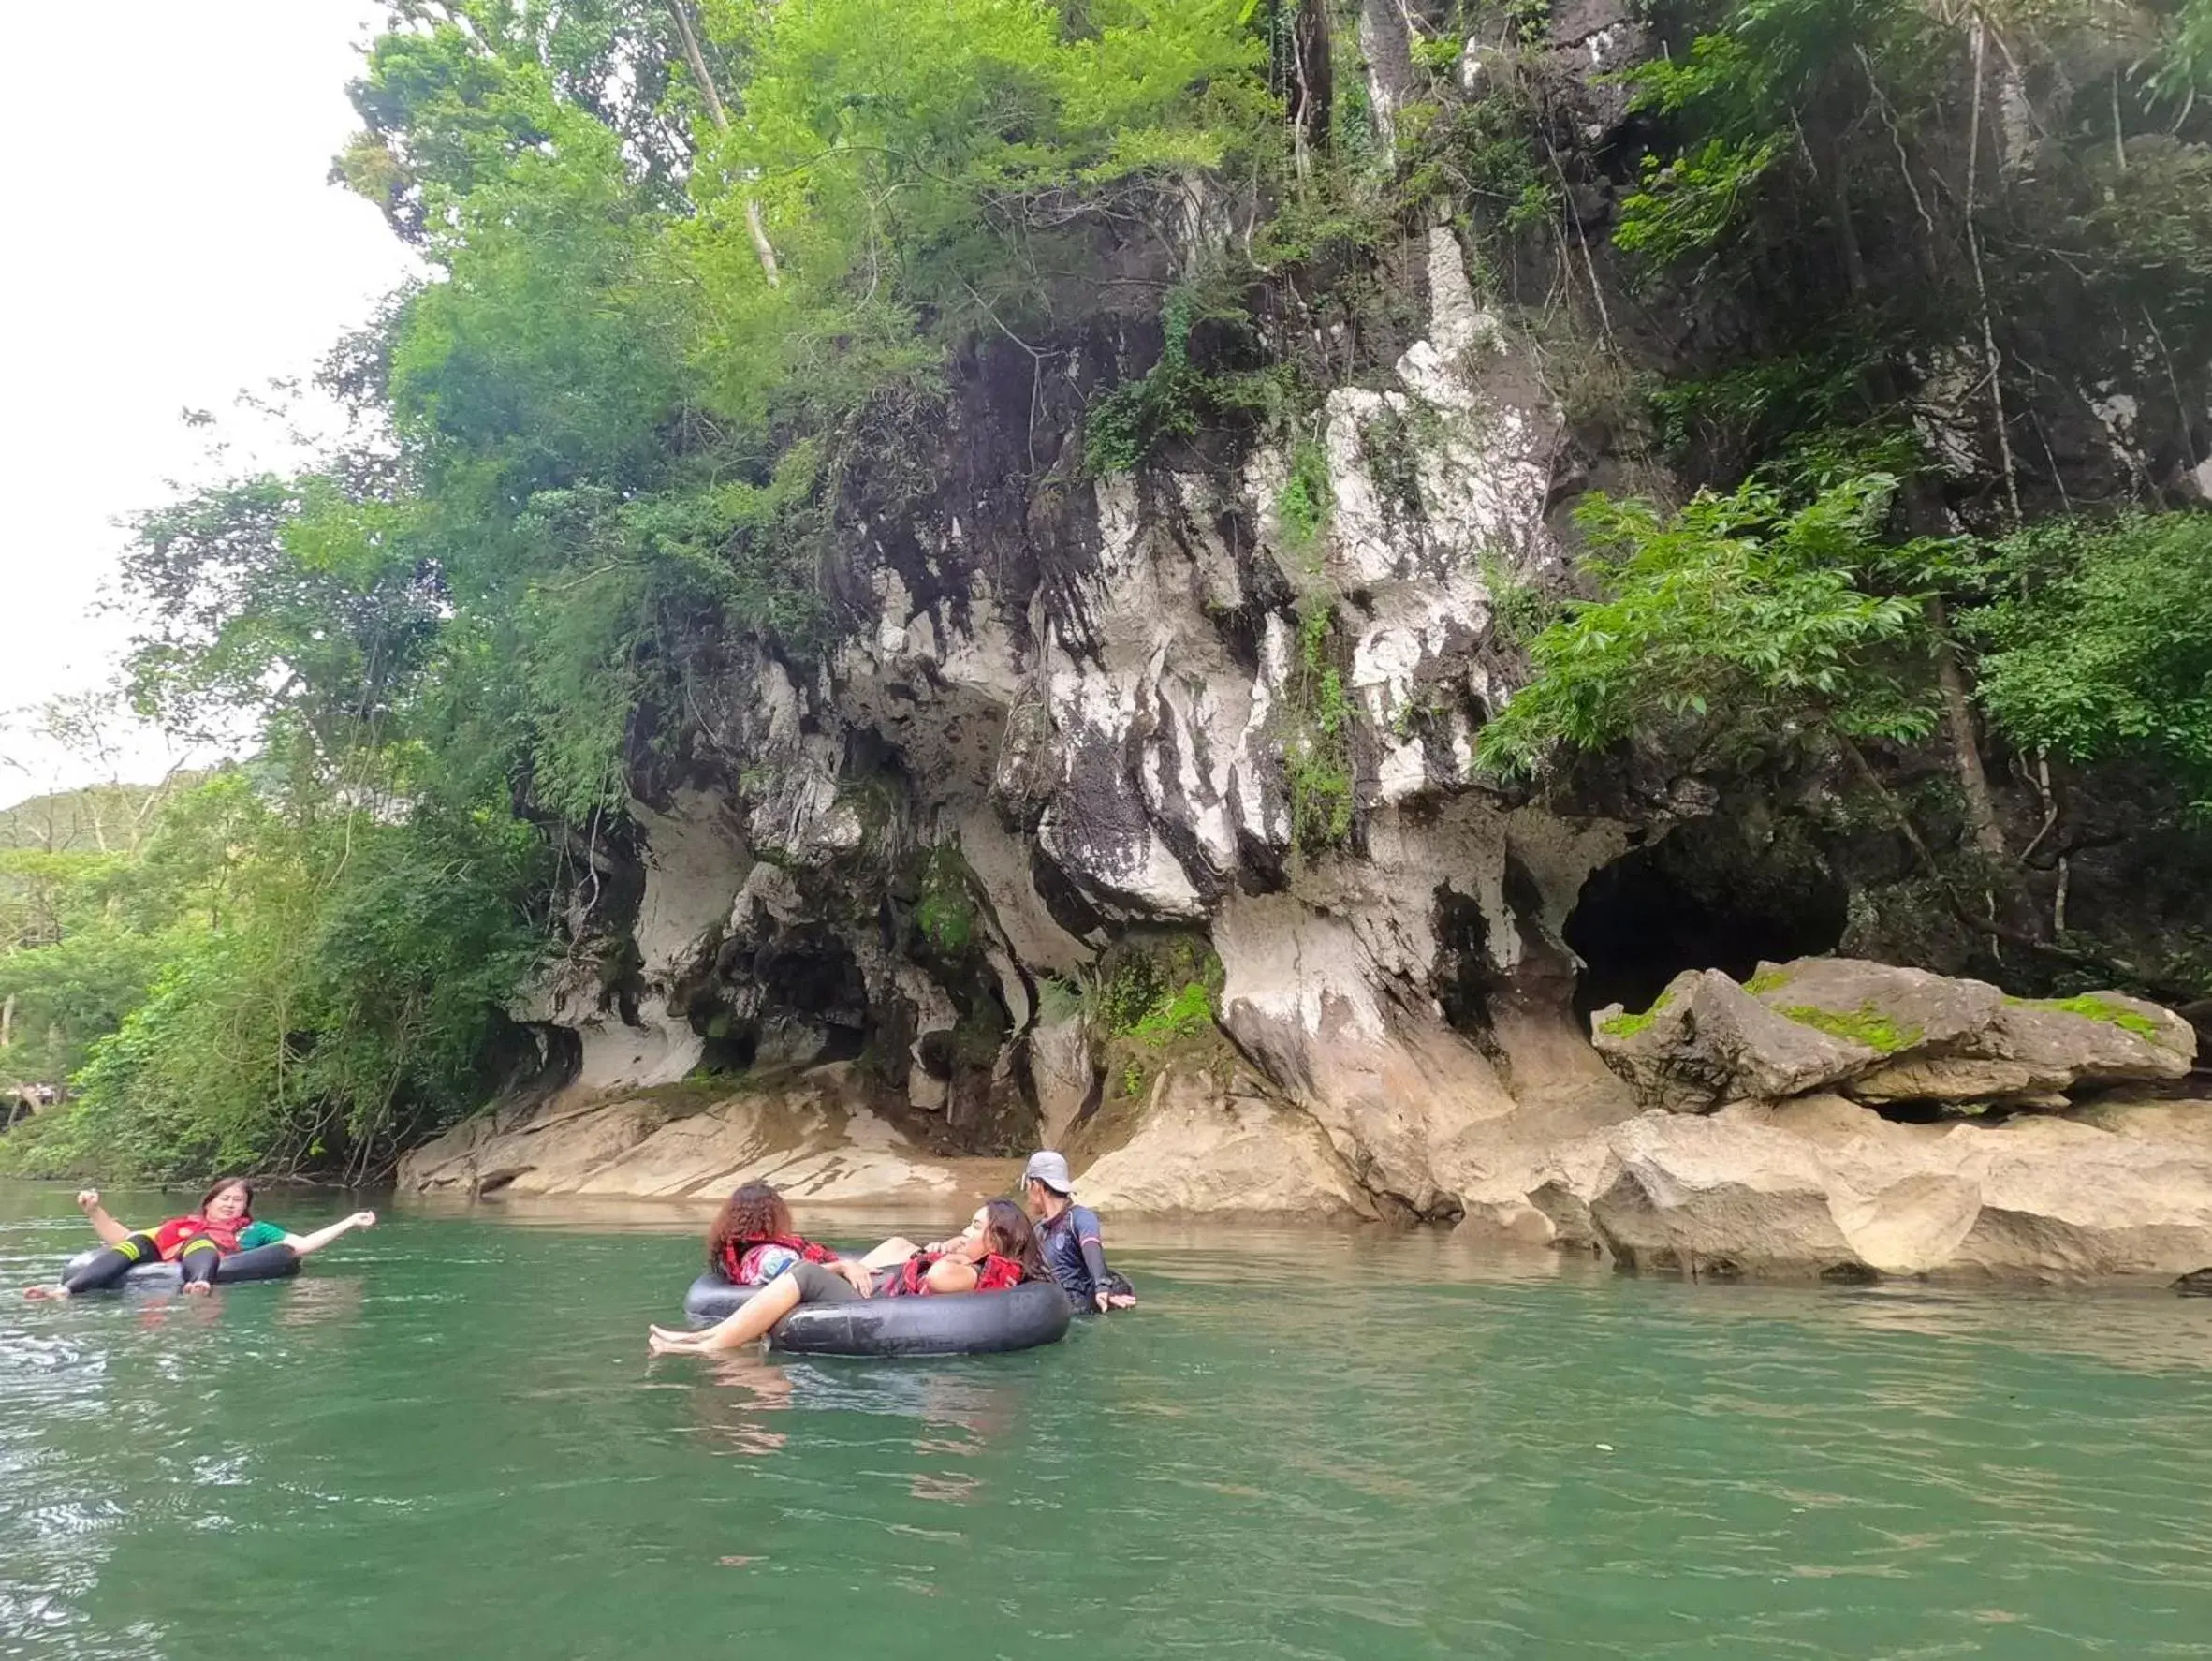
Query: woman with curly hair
(996, 1252)
(754, 1240)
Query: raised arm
(302, 1244)
(107, 1227)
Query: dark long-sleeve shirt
(1074, 1250)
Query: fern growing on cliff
(1729, 627)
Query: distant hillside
(109, 818)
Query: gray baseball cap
(1050, 1170)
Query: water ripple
(447, 1442)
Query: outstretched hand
(361, 1220)
(88, 1200)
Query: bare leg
(767, 1306)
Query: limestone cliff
(1164, 728)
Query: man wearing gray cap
(1070, 1236)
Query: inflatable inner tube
(268, 1262)
(942, 1324)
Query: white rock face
(696, 861)
(1111, 756)
(1205, 1148)
(812, 1138)
(1087, 690)
(1821, 1184)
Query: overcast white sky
(171, 240)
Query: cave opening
(1697, 903)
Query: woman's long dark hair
(755, 1212)
(221, 1183)
(1006, 1230)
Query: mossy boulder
(1881, 1034)
(1707, 1041)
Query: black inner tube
(268, 1262)
(941, 1324)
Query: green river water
(444, 1439)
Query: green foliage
(1520, 609)
(945, 913)
(1332, 223)
(2098, 646)
(1685, 205)
(1767, 981)
(1317, 748)
(1302, 505)
(1176, 397)
(1731, 625)
(323, 988)
(1149, 996)
(1743, 413)
(1528, 19)
(1489, 153)
(2181, 67)
(607, 438)
(70, 992)
(2139, 234)
(1184, 1015)
(1439, 57)
(1628, 1025)
(1154, 991)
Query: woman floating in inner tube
(997, 1251)
(754, 1240)
(223, 1226)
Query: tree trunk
(1847, 230)
(1311, 87)
(708, 90)
(1966, 750)
(1386, 43)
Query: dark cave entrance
(800, 999)
(1698, 901)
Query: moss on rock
(2091, 1008)
(1865, 1025)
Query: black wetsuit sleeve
(1088, 1232)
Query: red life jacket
(909, 1279)
(170, 1237)
(732, 1260)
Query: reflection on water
(445, 1440)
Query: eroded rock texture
(1071, 722)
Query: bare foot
(57, 1293)
(668, 1345)
(674, 1334)
(198, 1288)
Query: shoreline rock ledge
(1826, 1118)
(1855, 1120)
